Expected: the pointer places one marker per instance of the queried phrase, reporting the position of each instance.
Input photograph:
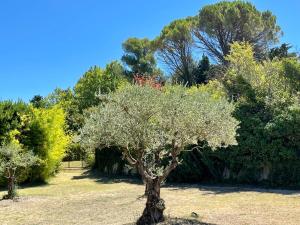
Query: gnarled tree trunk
(153, 212)
(146, 189)
(11, 188)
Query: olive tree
(152, 126)
(12, 159)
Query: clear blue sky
(46, 44)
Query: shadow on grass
(214, 189)
(211, 189)
(28, 185)
(107, 179)
(23, 186)
(35, 184)
(178, 221)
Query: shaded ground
(76, 198)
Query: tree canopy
(12, 159)
(281, 51)
(97, 80)
(13, 120)
(267, 103)
(139, 57)
(174, 46)
(152, 127)
(218, 25)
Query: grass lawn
(73, 164)
(74, 198)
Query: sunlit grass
(72, 164)
(75, 198)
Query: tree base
(154, 214)
(7, 197)
(12, 194)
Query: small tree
(12, 160)
(153, 126)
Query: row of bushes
(207, 166)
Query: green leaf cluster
(37, 130)
(47, 138)
(267, 104)
(146, 123)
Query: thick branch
(143, 171)
(174, 162)
(131, 160)
(169, 168)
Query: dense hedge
(40, 130)
(215, 167)
(109, 161)
(47, 138)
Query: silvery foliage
(13, 157)
(152, 125)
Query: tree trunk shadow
(179, 221)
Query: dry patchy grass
(73, 198)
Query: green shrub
(13, 121)
(109, 161)
(48, 140)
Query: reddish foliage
(146, 80)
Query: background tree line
(228, 49)
(265, 94)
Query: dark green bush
(109, 161)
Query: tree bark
(144, 180)
(153, 212)
(11, 188)
(146, 189)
